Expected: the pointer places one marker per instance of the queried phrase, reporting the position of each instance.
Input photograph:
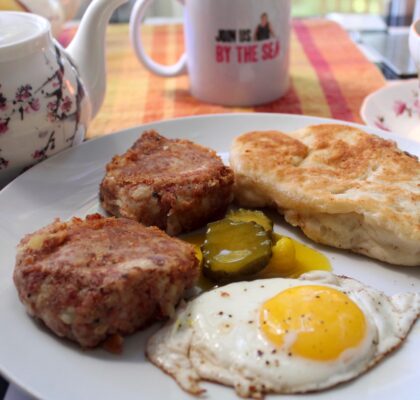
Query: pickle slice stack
(235, 250)
(251, 216)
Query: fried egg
(282, 335)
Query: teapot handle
(136, 18)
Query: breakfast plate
(394, 108)
(67, 185)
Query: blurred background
(379, 27)
(394, 12)
(300, 8)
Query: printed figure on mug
(251, 52)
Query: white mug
(237, 51)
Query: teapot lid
(22, 33)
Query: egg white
(216, 337)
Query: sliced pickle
(251, 216)
(235, 250)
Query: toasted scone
(341, 186)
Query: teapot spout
(87, 49)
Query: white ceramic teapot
(48, 95)
(56, 11)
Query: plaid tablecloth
(329, 78)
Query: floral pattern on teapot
(3, 162)
(48, 95)
(51, 108)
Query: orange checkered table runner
(330, 78)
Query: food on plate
(256, 216)
(282, 335)
(174, 184)
(341, 186)
(90, 279)
(235, 250)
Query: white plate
(67, 185)
(395, 108)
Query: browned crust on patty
(174, 184)
(93, 278)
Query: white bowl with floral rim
(395, 108)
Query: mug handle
(136, 18)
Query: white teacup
(414, 42)
(237, 51)
(414, 46)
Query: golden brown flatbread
(343, 187)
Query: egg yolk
(315, 322)
(292, 259)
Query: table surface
(330, 77)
